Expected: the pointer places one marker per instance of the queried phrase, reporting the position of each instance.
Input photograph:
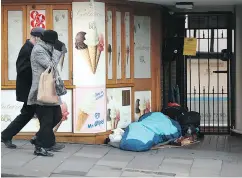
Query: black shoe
(8, 143)
(42, 152)
(56, 147)
(33, 140)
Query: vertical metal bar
(229, 74)
(190, 76)
(213, 109)
(222, 115)
(199, 81)
(218, 89)
(195, 108)
(204, 109)
(209, 37)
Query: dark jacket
(24, 72)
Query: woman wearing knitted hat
(46, 53)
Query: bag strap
(54, 67)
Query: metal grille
(207, 76)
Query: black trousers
(27, 113)
(49, 117)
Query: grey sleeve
(43, 59)
(56, 55)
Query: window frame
(5, 79)
(11, 84)
(114, 82)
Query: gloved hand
(58, 45)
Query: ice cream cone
(82, 117)
(109, 53)
(97, 59)
(116, 123)
(86, 56)
(141, 112)
(93, 53)
(113, 123)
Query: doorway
(207, 79)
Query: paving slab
(231, 169)
(72, 148)
(48, 164)
(206, 167)
(17, 158)
(197, 172)
(115, 160)
(137, 173)
(104, 171)
(91, 151)
(5, 150)
(23, 172)
(146, 162)
(208, 164)
(63, 175)
(176, 165)
(76, 165)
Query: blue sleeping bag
(151, 129)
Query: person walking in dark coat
(23, 85)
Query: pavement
(79, 160)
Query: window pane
(222, 33)
(118, 47)
(127, 31)
(142, 67)
(60, 24)
(15, 42)
(110, 39)
(220, 44)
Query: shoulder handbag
(46, 90)
(59, 84)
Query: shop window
(22, 19)
(120, 46)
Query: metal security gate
(207, 77)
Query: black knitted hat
(49, 36)
(38, 31)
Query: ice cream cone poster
(89, 47)
(90, 110)
(10, 108)
(142, 103)
(118, 115)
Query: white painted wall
(238, 45)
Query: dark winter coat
(24, 72)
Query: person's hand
(58, 45)
(64, 50)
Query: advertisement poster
(142, 41)
(10, 108)
(37, 19)
(118, 108)
(89, 66)
(142, 103)
(90, 110)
